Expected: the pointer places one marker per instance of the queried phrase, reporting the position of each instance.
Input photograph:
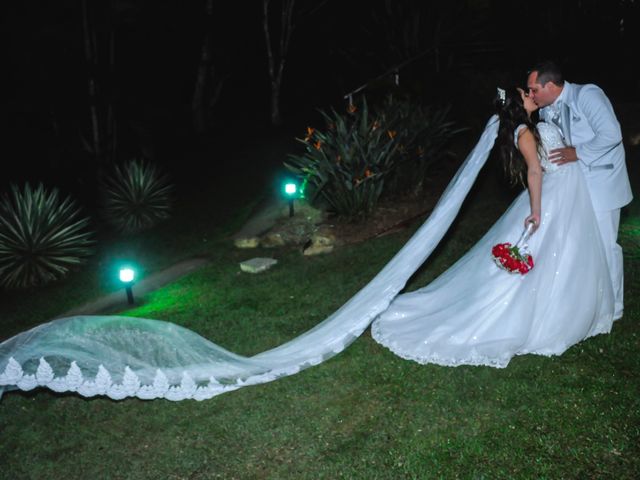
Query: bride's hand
(534, 218)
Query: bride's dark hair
(510, 110)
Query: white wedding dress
(478, 314)
(474, 313)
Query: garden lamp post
(290, 190)
(127, 276)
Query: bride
(477, 314)
(474, 313)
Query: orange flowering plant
(346, 164)
(363, 153)
(422, 135)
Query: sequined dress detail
(476, 314)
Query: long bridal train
(130, 357)
(124, 357)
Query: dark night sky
(158, 43)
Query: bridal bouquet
(514, 258)
(511, 259)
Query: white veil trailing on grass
(132, 357)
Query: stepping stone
(257, 265)
(315, 249)
(247, 242)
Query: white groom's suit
(588, 123)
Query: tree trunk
(102, 141)
(208, 86)
(277, 56)
(276, 65)
(276, 118)
(111, 125)
(90, 57)
(198, 105)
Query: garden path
(117, 301)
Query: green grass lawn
(363, 414)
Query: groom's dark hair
(548, 71)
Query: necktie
(555, 115)
(559, 116)
(565, 123)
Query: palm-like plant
(136, 196)
(41, 236)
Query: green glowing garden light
(127, 276)
(291, 191)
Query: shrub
(363, 153)
(136, 196)
(423, 134)
(347, 163)
(41, 236)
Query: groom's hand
(560, 156)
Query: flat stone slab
(315, 249)
(257, 265)
(250, 242)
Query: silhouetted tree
(208, 86)
(289, 17)
(102, 139)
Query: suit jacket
(590, 125)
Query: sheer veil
(132, 357)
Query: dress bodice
(551, 138)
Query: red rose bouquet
(514, 258)
(511, 259)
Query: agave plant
(41, 236)
(136, 196)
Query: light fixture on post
(291, 191)
(127, 276)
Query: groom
(592, 133)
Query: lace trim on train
(131, 386)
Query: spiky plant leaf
(136, 196)
(423, 134)
(365, 152)
(41, 236)
(348, 162)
